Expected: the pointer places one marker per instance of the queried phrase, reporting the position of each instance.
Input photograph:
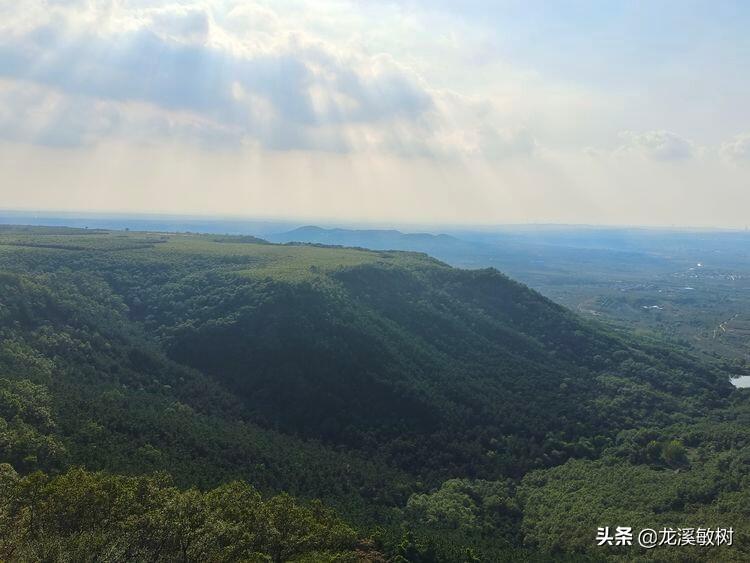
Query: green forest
(186, 397)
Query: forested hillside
(444, 414)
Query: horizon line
(330, 222)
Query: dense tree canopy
(186, 385)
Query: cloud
(223, 74)
(467, 127)
(186, 24)
(30, 113)
(220, 73)
(503, 143)
(657, 145)
(289, 92)
(738, 149)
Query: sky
(472, 112)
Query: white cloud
(738, 149)
(188, 24)
(30, 113)
(658, 145)
(285, 93)
(223, 74)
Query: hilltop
(378, 239)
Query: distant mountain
(519, 254)
(375, 239)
